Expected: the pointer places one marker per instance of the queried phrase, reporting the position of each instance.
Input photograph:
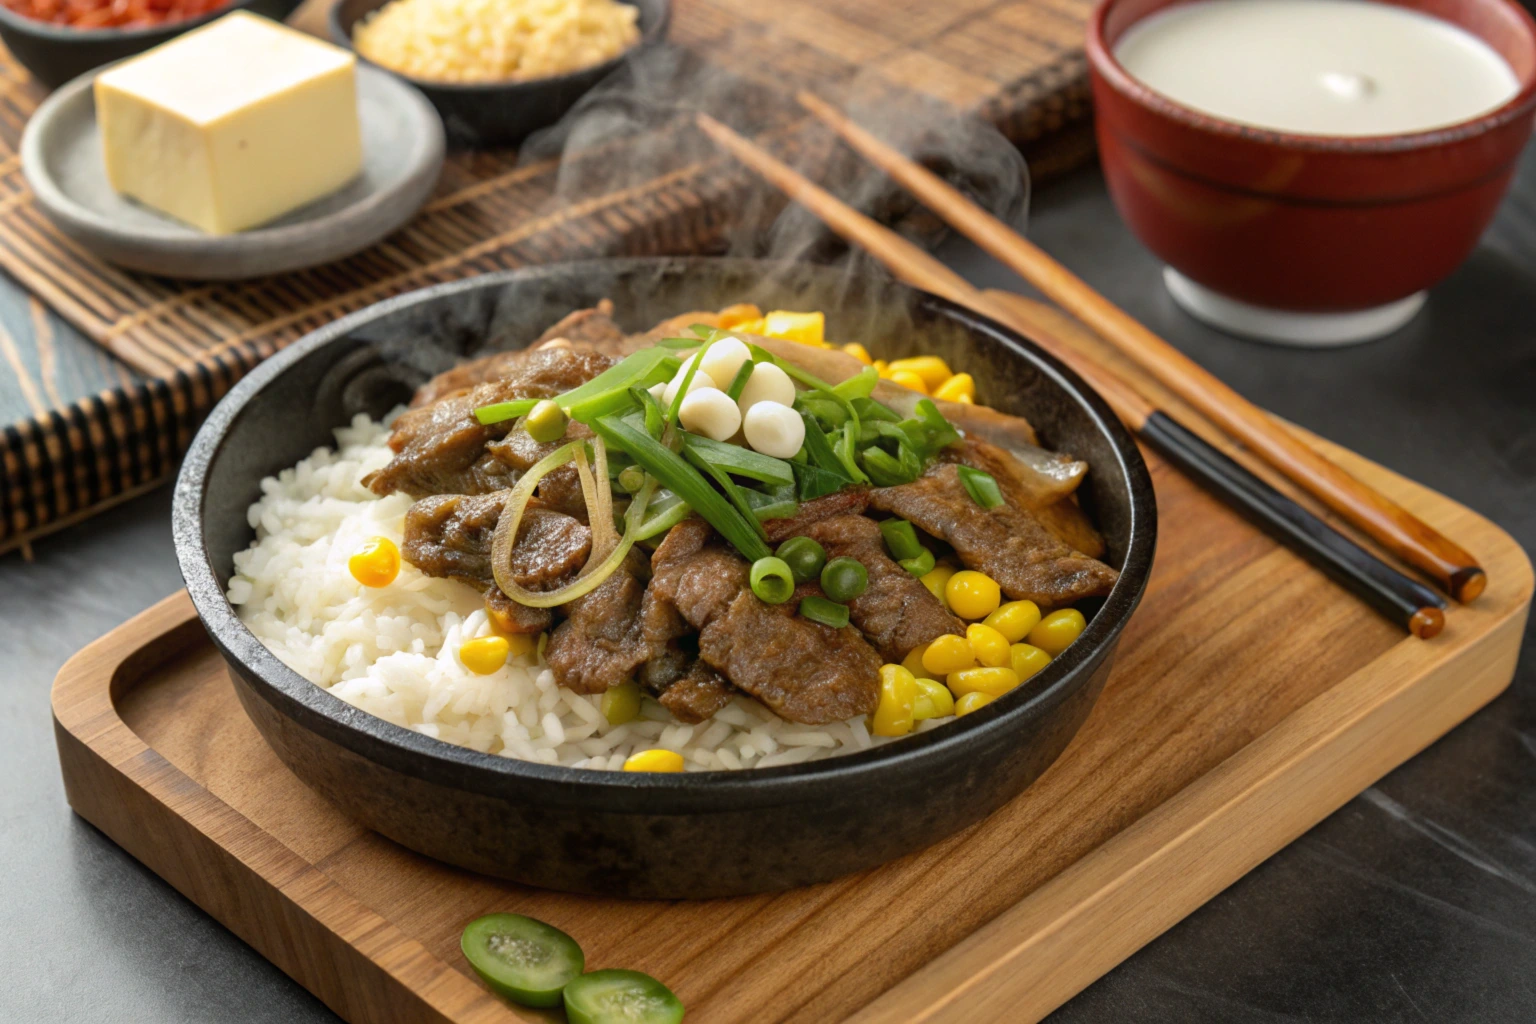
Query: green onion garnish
(732, 491)
(982, 487)
(919, 566)
(665, 512)
(676, 475)
(772, 581)
(900, 539)
(844, 579)
(741, 461)
(500, 411)
(594, 398)
(827, 613)
(860, 385)
(677, 343)
(631, 479)
(739, 382)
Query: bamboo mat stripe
(182, 345)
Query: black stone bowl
(504, 113)
(647, 835)
(57, 53)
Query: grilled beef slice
(896, 612)
(441, 448)
(601, 642)
(697, 695)
(561, 487)
(804, 671)
(1021, 489)
(1006, 543)
(851, 501)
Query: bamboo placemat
(1017, 63)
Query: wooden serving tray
(1250, 699)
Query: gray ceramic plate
(402, 155)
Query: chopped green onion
(707, 332)
(664, 513)
(546, 423)
(676, 343)
(655, 421)
(732, 491)
(683, 480)
(982, 487)
(827, 613)
(941, 432)
(813, 482)
(920, 565)
(844, 579)
(609, 390)
(779, 505)
(694, 361)
(502, 411)
(739, 382)
(869, 409)
(860, 385)
(741, 461)
(631, 479)
(900, 538)
(884, 468)
(772, 581)
(804, 557)
(819, 450)
(824, 409)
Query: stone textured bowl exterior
(1307, 223)
(688, 835)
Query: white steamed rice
(393, 651)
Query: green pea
(546, 422)
(804, 556)
(844, 579)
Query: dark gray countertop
(1415, 902)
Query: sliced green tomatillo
(527, 961)
(620, 997)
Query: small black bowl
(487, 114)
(647, 835)
(57, 53)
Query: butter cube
(232, 125)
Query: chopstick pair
(1414, 606)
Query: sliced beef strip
(601, 642)
(896, 612)
(803, 671)
(561, 488)
(441, 448)
(850, 501)
(507, 616)
(450, 535)
(1007, 543)
(697, 695)
(593, 329)
(1020, 487)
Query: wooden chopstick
(1415, 607)
(1393, 526)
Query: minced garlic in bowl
(473, 41)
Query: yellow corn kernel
(959, 388)
(992, 681)
(965, 400)
(991, 647)
(932, 369)
(971, 702)
(937, 580)
(485, 654)
(806, 328)
(972, 595)
(758, 327)
(948, 653)
(908, 380)
(1014, 620)
(859, 352)
(376, 563)
(913, 662)
(933, 700)
(1056, 631)
(621, 703)
(881, 367)
(1026, 660)
(654, 761)
(898, 695)
(735, 316)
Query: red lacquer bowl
(1308, 223)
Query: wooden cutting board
(1250, 698)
